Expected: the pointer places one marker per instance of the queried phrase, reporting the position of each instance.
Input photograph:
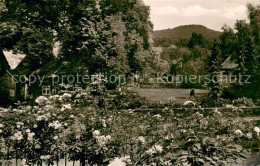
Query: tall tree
(85, 30)
(214, 66)
(243, 46)
(227, 42)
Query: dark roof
(4, 65)
(229, 64)
(55, 66)
(17, 76)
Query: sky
(210, 13)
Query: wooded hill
(182, 34)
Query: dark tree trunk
(4, 65)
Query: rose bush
(76, 126)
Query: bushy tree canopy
(107, 35)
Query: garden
(100, 127)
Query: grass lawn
(181, 95)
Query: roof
(17, 77)
(229, 64)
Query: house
(44, 84)
(13, 88)
(227, 69)
(23, 83)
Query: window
(46, 90)
(12, 93)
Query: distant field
(181, 95)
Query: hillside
(183, 33)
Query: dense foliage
(242, 45)
(100, 36)
(75, 125)
(214, 64)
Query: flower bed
(67, 126)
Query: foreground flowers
(120, 161)
(257, 130)
(41, 100)
(98, 136)
(189, 103)
(155, 149)
(239, 133)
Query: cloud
(238, 12)
(165, 10)
(169, 15)
(190, 11)
(197, 10)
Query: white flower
(199, 114)
(157, 116)
(55, 125)
(249, 135)
(66, 96)
(155, 149)
(18, 136)
(37, 146)
(45, 157)
(158, 148)
(23, 162)
(78, 96)
(1, 125)
(30, 136)
(66, 107)
(141, 139)
(41, 100)
(217, 112)
(48, 107)
(19, 124)
(95, 133)
(1, 131)
(150, 151)
(43, 117)
(189, 102)
(230, 107)
(101, 140)
(117, 162)
(239, 133)
(104, 123)
(54, 98)
(108, 137)
(28, 131)
(257, 130)
(56, 137)
(183, 131)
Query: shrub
(212, 102)
(243, 102)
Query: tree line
(242, 45)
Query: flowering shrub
(211, 102)
(243, 102)
(75, 125)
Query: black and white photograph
(129, 83)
